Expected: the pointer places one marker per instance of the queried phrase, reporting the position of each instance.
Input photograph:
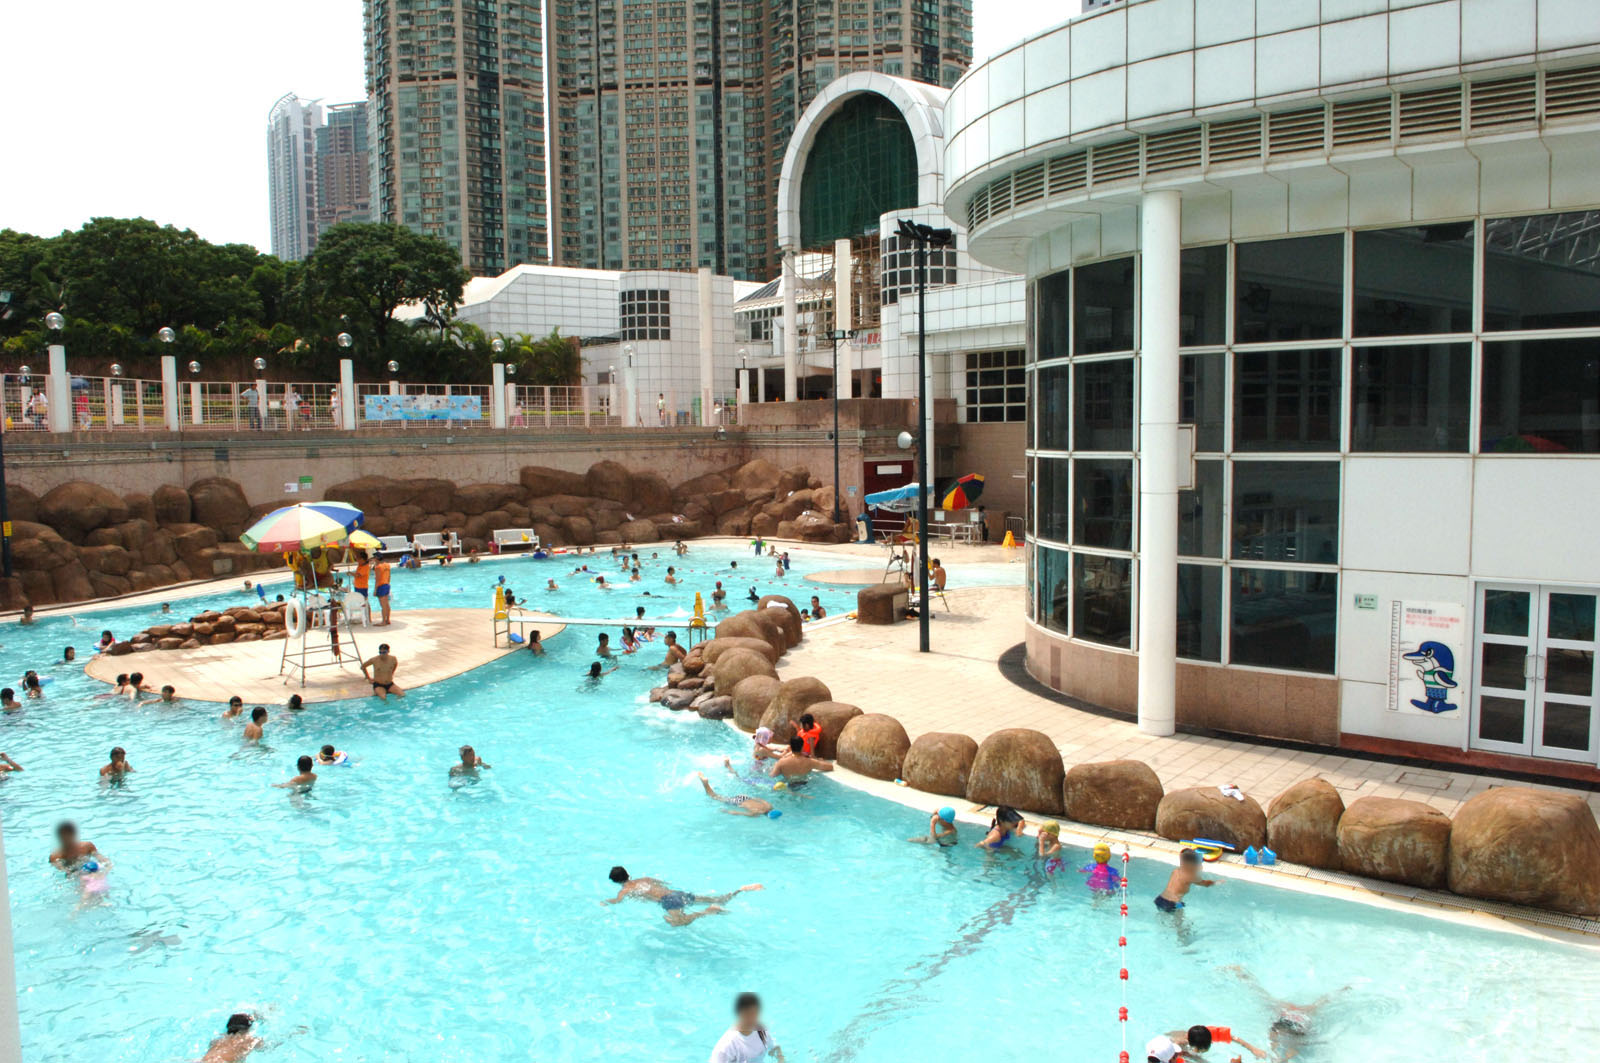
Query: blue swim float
(515, 638)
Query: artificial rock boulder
(1303, 824)
(76, 508)
(832, 717)
(751, 696)
(940, 763)
(1112, 793)
(219, 503)
(755, 624)
(874, 745)
(1205, 812)
(711, 649)
(1527, 846)
(1019, 767)
(1395, 840)
(787, 614)
(731, 668)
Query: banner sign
(423, 408)
(1427, 651)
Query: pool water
(394, 913)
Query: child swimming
(1006, 824)
(941, 829)
(1185, 875)
(1047, 848)
(1103, 878)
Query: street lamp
(836, 335)
(498, 345)
(923, 237)
(194, 368)
(394, 367)
(345, 340)
(166, 335)
(54, 321)
(260, 365)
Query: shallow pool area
(395, 912)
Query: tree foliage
(119, 281)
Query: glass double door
(1535, 690)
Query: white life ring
(294, 618)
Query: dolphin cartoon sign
(1426, 642)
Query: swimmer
(235, 708)
(535, 646)
(31, 687)
(301, 781)
(169, 696)
(941, 829)
(778, 574)
(236, 1042)
(603, 648)
(673, 902)
(595, 671)
(1103, 878)
(68, 655)
(136, 686)
(258, 720)
(679, 548)
(1006, 824)
(166, 607)
(763, 744)
(672, 575)
(809, 731)
(600, 581)
(635, 577)
(1292, 1024)
(1200, 1039)
(719, 597)
(27, 615)
(7, 764)
(1184, 876)
(675, 654)
(380, 672)
(747, 1040)
(795, 765)
(753, 595)
(120, 687)
(550, 585)
(118, 767)
(8, 700)
(107, 640)
(328, 755)
(738, 804)
(817, 611)
(470, 763)
(1047, 847)
(630, 641)
(73, 854)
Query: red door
(881, 474)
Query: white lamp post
(59, 392)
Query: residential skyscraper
(671, 117)
(456, 96)
(344, 179)
(292, 175)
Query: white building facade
(1313, 363)
(292, 126)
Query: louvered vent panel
(1114, 162)
(1000, 197)
(1572, 94)
(1235, 141)
(1027, 185)
(1363, 122)
(1068, 173)
(1175, 150)
(1493, 105)
(1296, 132)
(978, 209)
(1430, 113)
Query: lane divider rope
(1122, 955)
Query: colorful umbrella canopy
(963, 493)
(302, 526)
(362, 540)
(896, 499)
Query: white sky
(158, 108)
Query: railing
(119, 404)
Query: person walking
(747, 1040)
(252, 406)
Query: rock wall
(81, 540)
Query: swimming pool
(390, 915)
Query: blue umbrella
(900, 499)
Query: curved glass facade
(862, 165)
(1297, 354)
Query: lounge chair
(506, 539)
(428, 543)
(391, 545)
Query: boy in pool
(8, 700)
(470, 763)
(794, 766)
(1291, 1024)
(328, 756)
(941, 829)
(72, 853)
(137, 686)
(603, 649)
(675, 654)
(118, 767)
(380, 672)
(1185, 875)
(673, 902)
(253, 729)
(1200, 1039)
(738, 804)
(236, 1042)
(169, 696)
(235, 708)
(302, 781)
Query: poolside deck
(432, 645)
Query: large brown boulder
(793, 504)
(758, 475)
(23, 504)
(171, 504)
(1019, 767)
(1303, 824)
(71, 583)
(751, 696)
(650, 493)
(1395, 840)
(733, 668)
(139, 506)
(786, 612)
(190, 541)
(609, 479)
(940, 763)
(474, 499)
(816, 527)
(794, 478)
(755, 624)
(794, 697)
(874, 745)
(711, 649)
(1538, 847)
(831, 716)
(881, 603)
(702, 488)
(218, 502)
(106, 560)
(76, 508)
(735, 524)
(579, 531)
(1112, 793)
(539, 480)
(763, 525)
(639, 531)
(1205, 812)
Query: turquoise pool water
(391, 915)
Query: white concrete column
(261, 401)
(347, 394)
(169, 391)
(791, 330)
(843, 315)
(197, 405)
(1158, 461)
(60, 391)
(10, 1029)
(630, 398)
(707, 342)
(497, 396)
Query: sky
(158, 108)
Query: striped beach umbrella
(302, 526)
(963, 493)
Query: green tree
(554, 360)
(366, 272)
